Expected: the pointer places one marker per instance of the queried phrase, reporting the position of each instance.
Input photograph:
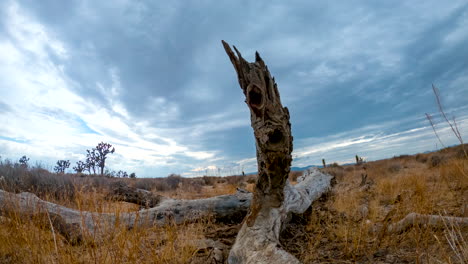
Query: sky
(152, 79)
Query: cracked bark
(274, 197)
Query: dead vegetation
(378, 221)
(350, 224)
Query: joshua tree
(24, 161)
(80, 167)
(324, 164)
(91, 161)
(121, 174)
(132, 175)
(62, 165)
(102, 149)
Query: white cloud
(46, 104)
(375, 144)
(32, 36)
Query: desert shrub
(335, 165)
(160, 186)
(242, 185)
(394, 167)
(143, 183)
(337, 172)
(96, 182)
(436, 160)
(251, 179)
(403, 156)
(207, 180)
(461, 152)
(169, 183)
(235, 180)
(18, 178)
(193, 185)
(150, 184)
(221, 180)
(421, 158)
(173, 181)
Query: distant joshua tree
(80, 167)
(121, 174)
(23, 161)
(91, 158)
(132, 175)
(102, 149)
(324, 163)
(62, 165)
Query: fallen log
(435, 221)
(75, 224)
(274, 197)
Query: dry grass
(339, 229)
(186, 191)
(25, 242)
(31, 240)
(343, 229)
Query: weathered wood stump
(274, 197)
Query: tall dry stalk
(453, 124)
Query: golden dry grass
(25, 242)
(186, 192)
(31, 240)
(343, 229)
(340, 229)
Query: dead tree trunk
(274, 197)
(75, 224)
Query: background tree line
(94, 163)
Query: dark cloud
(339, 67)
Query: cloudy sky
(152, 78)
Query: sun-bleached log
(274, 197)
(435, 221)
(74, 224)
